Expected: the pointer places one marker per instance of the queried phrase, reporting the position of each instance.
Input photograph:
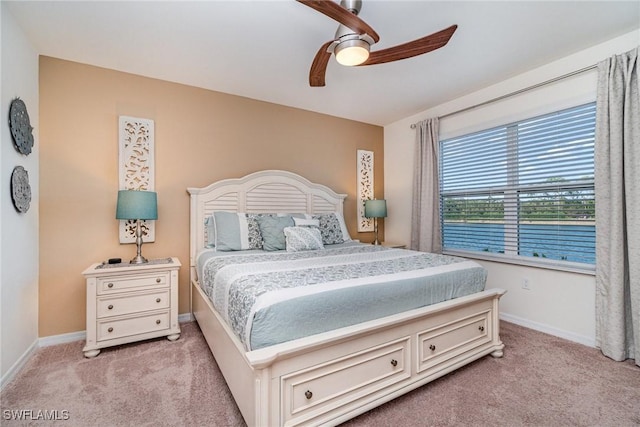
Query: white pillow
(306, 222)
(302, 239)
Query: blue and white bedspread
(272, 297)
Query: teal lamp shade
(135, 204)
(375, 208)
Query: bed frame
(328, 378)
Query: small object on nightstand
(114, 261)
(131, 302)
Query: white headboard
(264, 191)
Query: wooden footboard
(331, 377)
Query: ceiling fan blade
(343, 16)
(412, 48)
(319, 66)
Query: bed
(324, 371)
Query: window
(523, 191)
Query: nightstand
(393, 245)
(131, 302)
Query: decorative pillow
(304, 222)
(302, 239)
(343, 227)
(272, 230)
(255, 236)
(332, 229)
(236, 231)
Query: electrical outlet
(526, 283)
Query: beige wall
(201, 136)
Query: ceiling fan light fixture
(352, 52)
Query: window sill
(571, 267)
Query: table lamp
(137, 205)
(375, 209)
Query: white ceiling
(263, 49)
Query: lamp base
(375, 228)
(139, 259)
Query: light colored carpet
(541, 381)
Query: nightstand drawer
(111, 329)
(132, 282)
(132, 303)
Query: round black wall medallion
(20, 126)
(20, 189)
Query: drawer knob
(158, 280)
(110, 330)
(432, 347)
(110, 307)
(110, 285)
(308, 394)
(157, 299)
(481, 328)
(394, 362)
(158, 322)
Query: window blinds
(525, 189)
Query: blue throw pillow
(235, 231)
(272, 230)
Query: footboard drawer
(311, 392)
(441, 343)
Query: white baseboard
(185, 317)
(82, 335)
(551, 330)
(62, 338)
(55, 340)
(17, 367)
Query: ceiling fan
(354, 37)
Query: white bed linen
(272, 297)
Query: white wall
(19, 247)
(559, 303)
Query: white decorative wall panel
(365, 188)
(137, 169)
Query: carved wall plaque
(365, 188)
(137, 169)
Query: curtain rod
(518, 92)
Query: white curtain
(617, 186)
(425, 214)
